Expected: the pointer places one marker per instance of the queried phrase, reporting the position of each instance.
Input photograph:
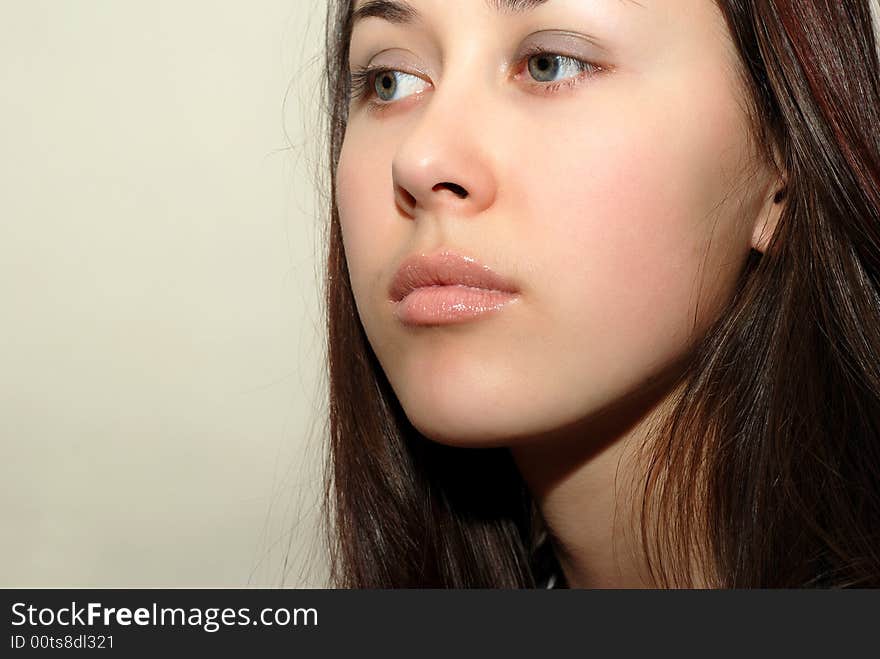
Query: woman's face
(610, 177)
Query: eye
(385, 84)
(390, 85)
(548, 67)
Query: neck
(584, 479)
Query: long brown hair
(779, 411)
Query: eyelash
(363, 79)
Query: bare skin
(622, 198)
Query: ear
(771, 209)
(768, 218)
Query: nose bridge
(443, 161)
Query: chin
(472, 420)
(463, 420)
(453, 398)
(462, 435)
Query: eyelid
(577, 46)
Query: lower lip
(445, 305)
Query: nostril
(408, 198)
(457, 189)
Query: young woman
(603, 293)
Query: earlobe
(768, 219)
(774, 203)
(767, 222)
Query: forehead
(405, 12)
(502, 6)
(402, 12)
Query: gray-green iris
(544, 65)
(386, 83)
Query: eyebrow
(403, 13)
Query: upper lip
(445, 268)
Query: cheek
(640, 236)
(369, 223)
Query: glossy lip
(446, 288)
(445, 268)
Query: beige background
(161, 396)
(160, 345)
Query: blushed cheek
(632, 236)
(632, 213)
(355, 208)
(365, 213)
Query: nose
(441, 167)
